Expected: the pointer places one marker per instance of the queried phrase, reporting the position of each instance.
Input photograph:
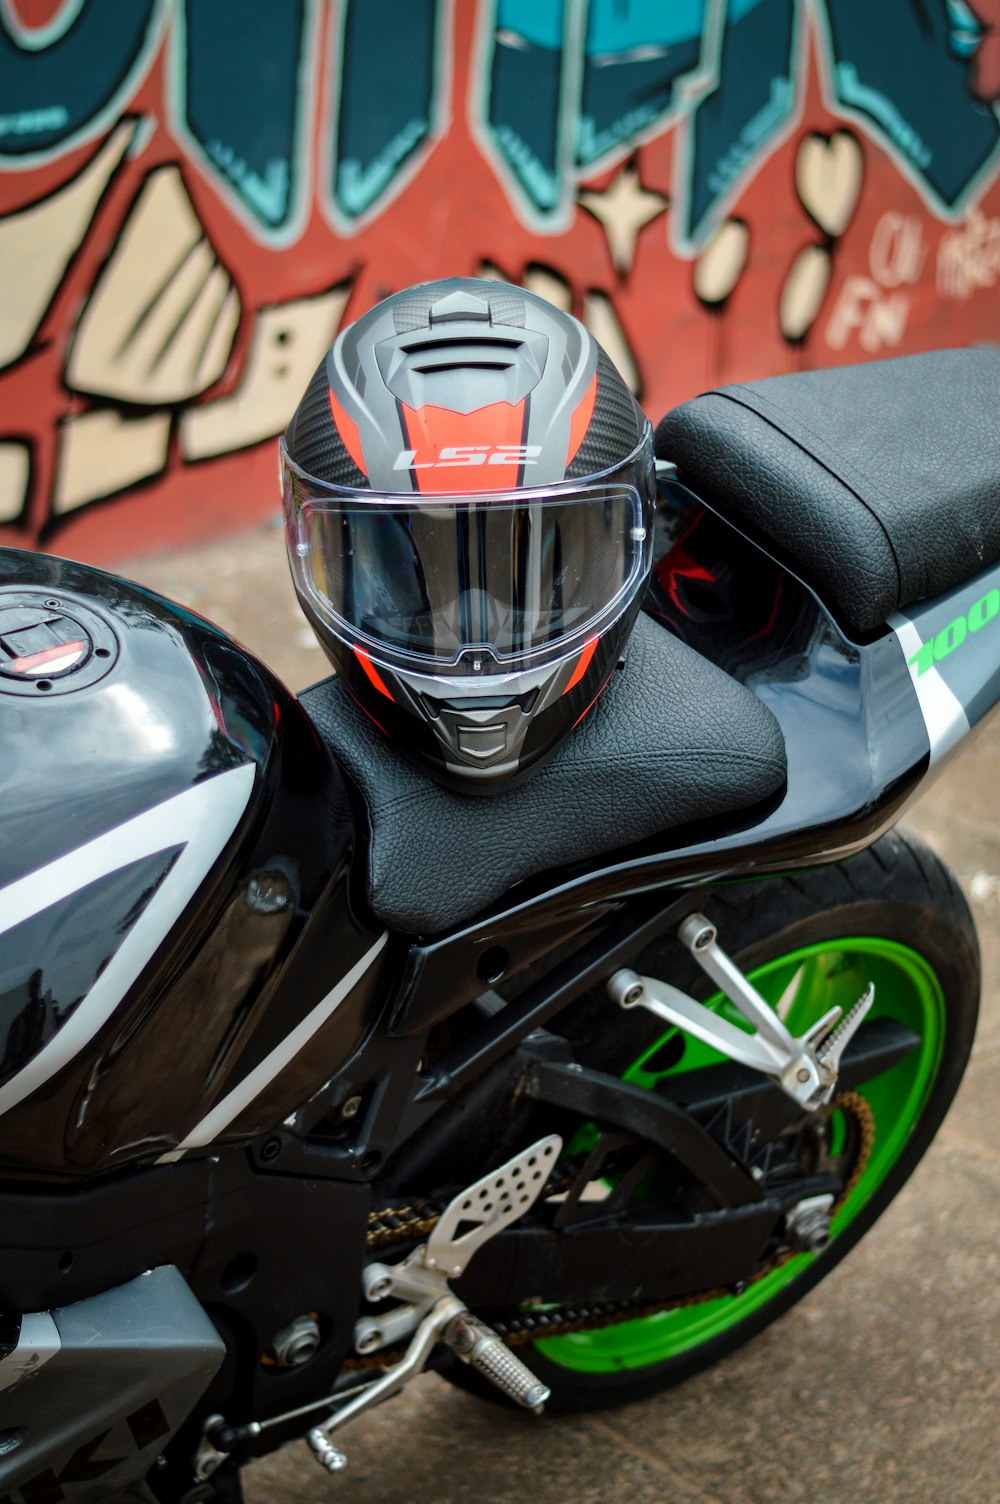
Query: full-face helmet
(468, 488)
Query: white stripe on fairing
(38, 1342)
(942, 710)
(252, 1085)
(203, 818)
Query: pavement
(883, 1385)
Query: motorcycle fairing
(952, 647)
(159, 746)
(184, 835)
(96, 1389)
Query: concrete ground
(882, 1386)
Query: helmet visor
(433, 578)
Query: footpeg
(805, 1068)
(484, 1350)
(477, 1214)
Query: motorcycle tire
(892, 914)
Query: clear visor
(436, 577)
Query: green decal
(954, 634)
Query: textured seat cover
(672, 739)
(881, 481)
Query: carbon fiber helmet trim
(314, 438)
(468, 488)
(615, 428)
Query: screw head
(633, 995)
(351, 1107)
(802, 1075)
(367, 1341)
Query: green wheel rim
(906, 989)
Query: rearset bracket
(805, 1067)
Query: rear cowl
(172, 828)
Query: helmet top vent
(500, 304)
(464, 370)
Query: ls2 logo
(470, 454)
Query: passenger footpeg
(805, 1068)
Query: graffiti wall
(196, 194)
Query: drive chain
(417, 1220)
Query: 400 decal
(950, 637)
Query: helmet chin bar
(484, 737)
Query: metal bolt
(351, 1107)
(380, 1288)
(296, 1343)
(368, 1340)
(696, 932)
(460, 1336)
(633, 995)
(802, 1075)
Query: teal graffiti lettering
(853, 91)
(30, 122)
(358, 186)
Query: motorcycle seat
(671, 741)
(878, 483)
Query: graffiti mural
(196, 194)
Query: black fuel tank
(176, 843)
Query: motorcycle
(316, 1075)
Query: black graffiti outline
(114, 176)
(22, 519)
(175, 461)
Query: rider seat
(879, 484)
(672, 740)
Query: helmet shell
(441, 395)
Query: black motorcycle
(315, 1075)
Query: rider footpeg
(484, 1350)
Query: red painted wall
(156, 329)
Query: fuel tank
(180, 958)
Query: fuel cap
(50, 644)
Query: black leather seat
(881, 482)
(673, 739)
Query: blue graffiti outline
(869, 128)
(37, 38)
(102, 121)
(327, 122)
(300, 164)
(557, 219)
(684, 241)
(657, 125)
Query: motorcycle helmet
(468, 488)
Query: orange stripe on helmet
(372, 672)
(583, 662)
(349, 433)
(592, 703)
(580, 421)
(478, 451)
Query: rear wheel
(892, 915)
